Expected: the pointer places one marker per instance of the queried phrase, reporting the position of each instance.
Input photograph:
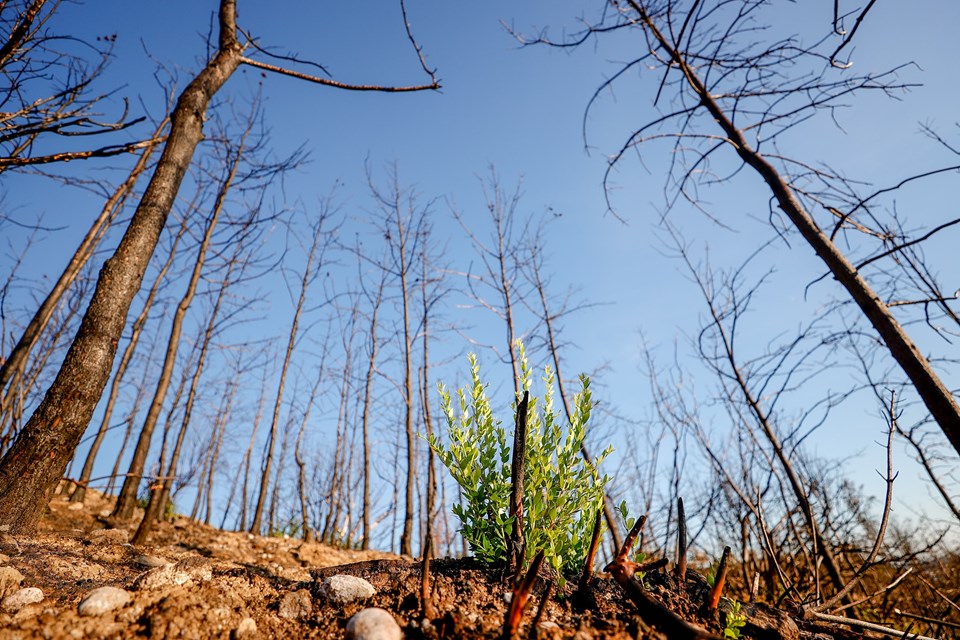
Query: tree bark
(138, 324)
(30, 470)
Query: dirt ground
(236, 585)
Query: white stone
(150, 561)
(103, 600)
(373, 624)
(16, 601)
(343, 589)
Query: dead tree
(237, 262)
(373, 347)
(320, 242)
(498, 286)
(734, 91)
(34, 464)
(128, 492)
(401, 219)
(125, 359)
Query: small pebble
(103, 600)
(10, 580)
(174, 575)
(373, 624)
(296, 605)
(150, 561)
(16, 601)
(246, 630)
(9, 545)
(343, 589)
(108, 536)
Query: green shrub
(561, 493)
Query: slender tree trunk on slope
(429, 544)
(308, 533)
(32, 467)
(406, 548)
(367, 397)
(310, 270)
(138, 324)
(128, 493)
(159, 498)
(131, 418)
(21, 351)
(248, 455)
(339, 466)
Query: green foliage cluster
(561, 493)
(735, 620)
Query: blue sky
(522, 110)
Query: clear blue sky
(522, 110)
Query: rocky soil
(80, 578)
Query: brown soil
(249, 577)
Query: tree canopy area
(246, 254)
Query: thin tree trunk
(31, 469)
(308, 276)
(308, 533)
(222, 420)
(429, 544)
(338, 466)
(367, 396)
(130, 420)
(128, 493)
(248, 456)
(275, 493)
(406, 547)
(205, 342)
(138, 324)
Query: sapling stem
(521, 593)
(681, 570)
(587, 573)
(718, 581)
(541, 608)
(515, 541)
